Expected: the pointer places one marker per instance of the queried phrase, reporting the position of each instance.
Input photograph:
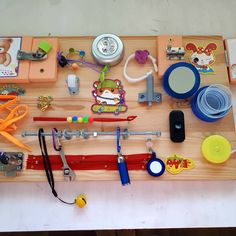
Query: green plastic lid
(45, 46)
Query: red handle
(49, 119)
(129, 118)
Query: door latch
(11, 163)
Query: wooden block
(46, 70)
(162, 42)
(23, 73)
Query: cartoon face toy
(5, 57)
(109, 97)
(108, 92)
(202, 57)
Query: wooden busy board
(149, 118)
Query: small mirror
(182, 80)
(156, 167)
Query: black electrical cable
(47, 165)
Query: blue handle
(124, 174)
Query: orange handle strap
(11, 99)
(7, 125)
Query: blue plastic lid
(181, 80)
(155, 166)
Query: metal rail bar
(68, 134)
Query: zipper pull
(123, 170)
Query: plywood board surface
(149, 118)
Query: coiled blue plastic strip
(212, 103)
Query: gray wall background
(122, 17)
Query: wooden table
(149, 118)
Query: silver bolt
(20, 154)
(66, 134)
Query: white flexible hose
(138, 79)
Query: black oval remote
(177, 129)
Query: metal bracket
(175, 53)
(32, 56)
(150, 96)
(44, 48)
(11, 162)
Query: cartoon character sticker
(8, 56)
(202, 57)
(176, 164)
(109, 97)
(5, 57)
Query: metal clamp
(31, 56)
(41, 54)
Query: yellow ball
(81, 201)
(69, 119)
(80, 120)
